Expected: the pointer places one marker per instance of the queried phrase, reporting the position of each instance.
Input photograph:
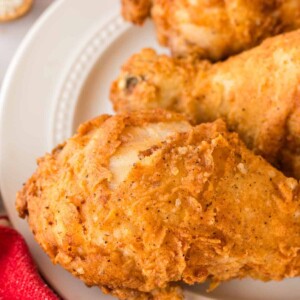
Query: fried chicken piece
(136, 11)
(214, 29)
(257, 93)
(135, 203)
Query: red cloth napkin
(19, 278)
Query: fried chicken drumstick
(257, 94)
(135, 203)
(214, 29)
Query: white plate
(60, 77)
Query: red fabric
(19, 278)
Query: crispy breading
(136, 10)
(257, 94)
(214, 29)
(135, 203)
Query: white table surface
(11, 35)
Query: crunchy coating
(214, 29)
(136, 11)
(256, 93)
(192, 203)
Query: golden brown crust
(17, 12)
(136, 11)
(197, 205)
(215, 29)
(256, 93)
